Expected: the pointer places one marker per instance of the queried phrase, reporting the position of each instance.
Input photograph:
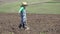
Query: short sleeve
(21, 9)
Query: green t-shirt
(21, 9)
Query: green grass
(56, 0)
(9, 7)
(45, 8)
(42, 32)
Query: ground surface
(38, 23)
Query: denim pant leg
(23, 21)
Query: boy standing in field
(22, 12)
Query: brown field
(38, 23)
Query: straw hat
(24, 3)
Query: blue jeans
(23, 20)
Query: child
(22, 12)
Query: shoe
(26, 28)
(20, 26)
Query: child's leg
(25, 26)
(20, 25)
(24, 22)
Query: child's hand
(18, 14)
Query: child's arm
(21, 9)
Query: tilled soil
(38, 23)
